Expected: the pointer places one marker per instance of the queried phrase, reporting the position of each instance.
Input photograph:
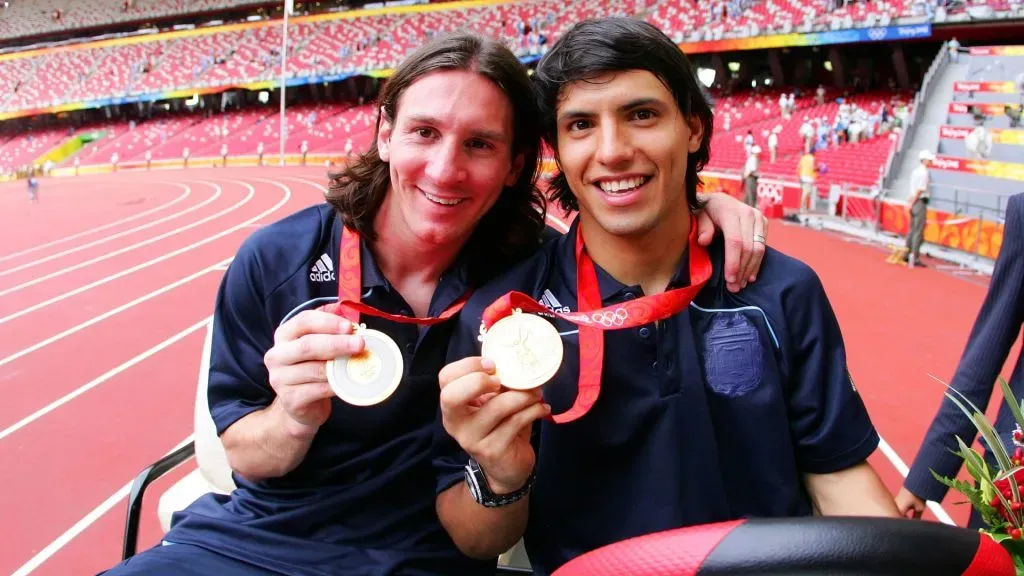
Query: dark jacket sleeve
(994, 333)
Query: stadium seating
(337, 46)
(857, 163)
(22, 18)
(325, 47)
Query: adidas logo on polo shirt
(551, 303)
(323, 270)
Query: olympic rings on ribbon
(607, 318)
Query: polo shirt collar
(611, 289)
(454, 279)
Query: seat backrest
(210, 454)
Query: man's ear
(384, 136)
(515, 171)
(696, 133)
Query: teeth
(625, 184)
(442, 201)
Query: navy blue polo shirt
(362, 500)
(712, 415)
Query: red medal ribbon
(593, 319)
(350, 284)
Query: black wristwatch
(482, 493)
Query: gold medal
(525, 348)
(371, 376)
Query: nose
(444, 166)
(614, 146)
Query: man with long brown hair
(332, 324)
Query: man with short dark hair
(327, 409)
(668, 401)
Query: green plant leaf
(976, 465)
(1008, 397)
(976, 496)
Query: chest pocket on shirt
(733, 358)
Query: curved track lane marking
(38, 261)
(130, 247)
(188, 191)
(99, 380)
(97, 319)
(194, 245)
(80, 526)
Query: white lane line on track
(80, 526)
(903, 469)
(65, 269)
(188, 191)
(80, 289)
(38, 261)
(884, 446)
(100, 379)
(97, 319)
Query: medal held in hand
(527, 349)
(371, 376)
(374, 374)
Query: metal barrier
(964, 225)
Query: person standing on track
(33, 187)
(995, 330)
(918, 201)
(710, 406)
(443, 200)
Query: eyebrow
(631, 105)
(484, 134)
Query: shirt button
(645, 332)
(654, 364)
(410, 347)
(629, 296)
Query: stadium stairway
(932, 114)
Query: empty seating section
(339, 46)
(330, 128)
(253, 54)
(25, 148)
(23, 18)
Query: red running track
(100, 362)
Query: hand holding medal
(527, 349)
(372, 375)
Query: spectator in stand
(807, 133)
(773, 143)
